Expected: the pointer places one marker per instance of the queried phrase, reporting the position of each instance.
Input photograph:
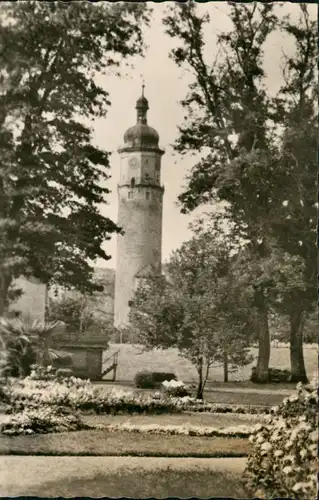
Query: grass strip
(120, 443)
(203, 482)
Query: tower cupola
(141, 135)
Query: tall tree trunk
(262, 368)
(200, 386)
(5, 281)
(297, 321)
(46, 359)
(225, 363)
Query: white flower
(301, 486)
(289, 458)
(313, 436)
(266, 446)
(278, 453)
(287, 470)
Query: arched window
(133, 182)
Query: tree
(80, 315)
(295, 229)
(52, 177)
(197, 308)
(227, 116)
(246, 162)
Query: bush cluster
(152, 380)
(275, 376)
(283, 462)
(39, 372)
(175, 388)
(42, 420)
(81, 395)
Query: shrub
(175, 388)
(160, 377)
(275, 376)
(42, 372)
(62, 373)
(42, 420)
(283, 462)
(144, 380)
(151, 380)
(18, 353)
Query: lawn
(122, 477)
(261, 398)
(121, 443)
(145, 484)
(133, 360)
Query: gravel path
(31, 475)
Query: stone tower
(140, 198)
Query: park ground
(120, 463)
(121, 477)
(132, 359)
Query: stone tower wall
(140, 216)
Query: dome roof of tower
(141, 135)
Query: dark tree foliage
(236, 127)
(53, 179)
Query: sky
(165, 86)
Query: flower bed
(241, 431)
(41, 421)
(284, 458)
(82, 395)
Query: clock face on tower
(133, 162)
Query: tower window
(130, 194)
(133, 182)
(147, 195)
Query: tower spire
(142, 106)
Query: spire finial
(142, 105)
(143, 85)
